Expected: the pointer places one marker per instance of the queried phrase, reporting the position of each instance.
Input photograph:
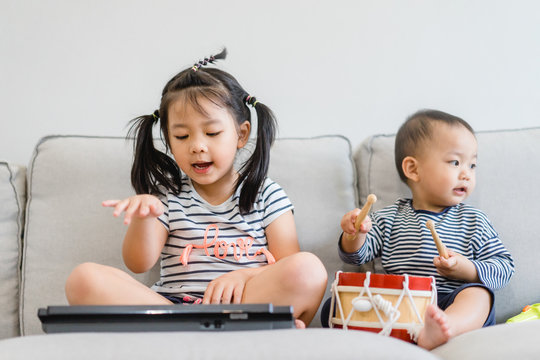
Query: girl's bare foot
(436, 330)
(299, 324)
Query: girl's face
(204, 145)
(445, 168)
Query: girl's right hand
(139, 206)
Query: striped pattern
(187, 217)
(405, 245)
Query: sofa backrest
(12, 200)
(507, 190)
(69, 176)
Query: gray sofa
(51, 220)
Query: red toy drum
(391, 305)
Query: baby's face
(447, 165)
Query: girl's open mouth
(202, 167)
(460, 190)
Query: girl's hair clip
(201, 63)
(251, 100)
(155, 115)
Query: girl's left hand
(226, 289)
(456, 266)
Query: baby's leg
(298, 280)
(95, 284)
(469, 311)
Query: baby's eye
(473, 166)
(454, 162)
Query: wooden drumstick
(441, 248)
(371, 199)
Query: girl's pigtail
(211, 59)
(151, 167)
(255, 169)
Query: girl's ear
(243, 134)
(409, 165)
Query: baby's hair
(416, 129)
(153, 171)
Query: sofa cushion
(308, 344)
(12, 200)
(502, 341)
(507, 190)
(69, 176)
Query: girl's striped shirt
(214, 239)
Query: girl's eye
(213, 133)
(183, 137)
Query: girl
(223, 236)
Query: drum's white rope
(414, 330)
(391, 312)
(335, 294)
(367, 290)
(433, 291)
(364, 289)
(407, 291)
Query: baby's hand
(453, 267)
(140, 206)
(348, 222)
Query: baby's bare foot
(436, 330)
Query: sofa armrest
(12, 200)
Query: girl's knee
(305, 270)
(82, 280)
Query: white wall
(343, 67)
